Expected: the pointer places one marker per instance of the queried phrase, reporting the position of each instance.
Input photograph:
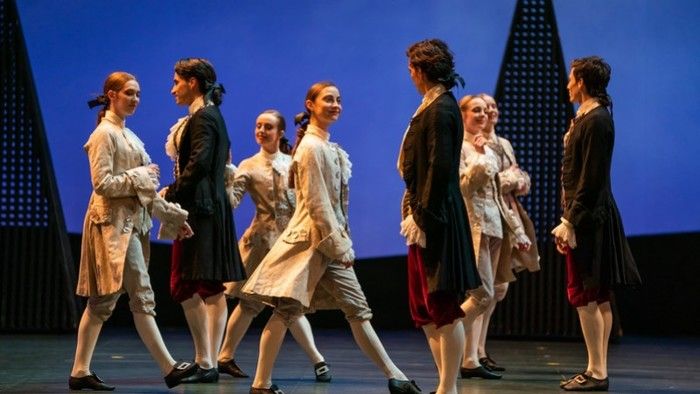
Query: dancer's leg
(237, 326)
(366, 338)
(301, 331)
(270, 342)
(198, 322)
(217, 311)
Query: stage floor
(41, 364)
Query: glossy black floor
(41, 364)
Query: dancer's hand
(564, 236)
(185, 232)
(479, 142)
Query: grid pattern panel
(533, 101)
(36, 268)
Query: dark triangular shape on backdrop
(534, 114)
(37, 272)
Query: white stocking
(434, 343)
(88, 331)
(484, 329)
(471, 334)
(237, 326)
(451, 345)
(369, 343)
(150, 335)
(217, 311)
(501, 290)
(606, 311)
(301, 331)
(593, 327)
(270, 342)
(196, 316)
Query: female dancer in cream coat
(478, 170)
(310, 265)
(115, 245)
(513, 182)
(265, 177)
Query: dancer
(478, 170)
(441, 263)
(590, 233)
(310, 264)
(115, 245)
(265, 177)
(513, 182)
(199, 146)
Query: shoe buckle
(182, 366)
(322, 369)
(580, 379)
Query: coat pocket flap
(100, 214)
(296, 236)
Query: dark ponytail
(595, 73)
(301, 120)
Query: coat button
(337, 175)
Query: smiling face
(491, 110)
(474, 115)
(326, 107)
(184, 90)
(267, 132)
(124, 102)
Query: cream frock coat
(484, 202)
(510, 181)
(317, 233)
(123, 198)
(265, 177)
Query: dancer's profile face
(474, 115)
(575, 87)
(184, 90)
(417, 78)
(326, 107)
(267, 132)
(124, 102)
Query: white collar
(114, 118)
(268, 155)
(587, 106)
(318, 132)
(196, 105)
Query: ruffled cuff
(144, 185)
(336, 244)
(171, 218)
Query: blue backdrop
(267, 53)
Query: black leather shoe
(202, 375)
(180, 372)
(91, 382)
(272, 390)
(230, 367)
(478, 372)
(322, 372)
(584, 382)
(488, 363)
(403, 387)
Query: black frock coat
(589, 205)
(212, 253)
(430, 166)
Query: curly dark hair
(595, 73)
(434, 58)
